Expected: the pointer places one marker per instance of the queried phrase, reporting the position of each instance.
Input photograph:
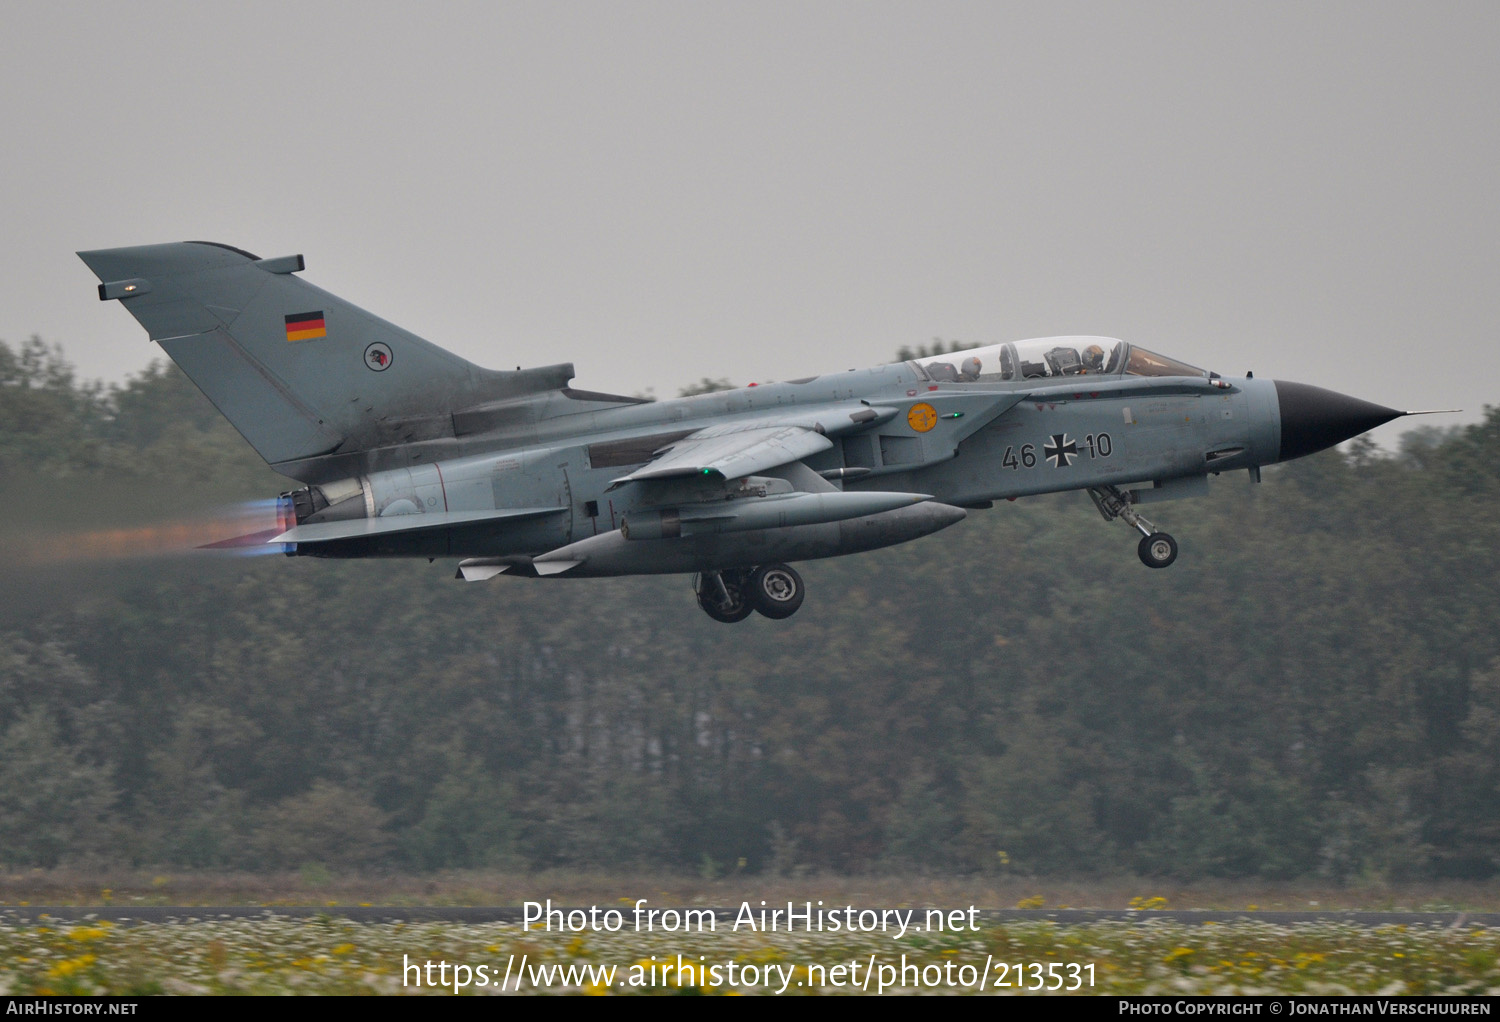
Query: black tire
(708, 598)
(776, 591)
(1157, 550)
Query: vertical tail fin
(302, 374)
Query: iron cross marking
(1060, 450)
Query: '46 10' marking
(1060, 451)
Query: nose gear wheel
(1157, 550)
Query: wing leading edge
(731, 453)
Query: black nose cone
(1313, 418)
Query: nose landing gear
(773, 590)
(1156, 549)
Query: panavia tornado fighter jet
(405, 450)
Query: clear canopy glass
(1049, 357)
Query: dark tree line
(1312, 690)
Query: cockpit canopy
(1048, 357)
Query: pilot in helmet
(969, 371)
(1093, 358)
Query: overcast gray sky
(664, 191)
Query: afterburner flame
(237, 530)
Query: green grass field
(317, 886)
(329, 955)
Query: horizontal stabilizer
(249, 540)
(358, 528)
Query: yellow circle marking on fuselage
(922, 417)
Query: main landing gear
(772, 590)
(1157, 549)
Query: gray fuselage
(984, 445)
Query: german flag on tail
(305, 326)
